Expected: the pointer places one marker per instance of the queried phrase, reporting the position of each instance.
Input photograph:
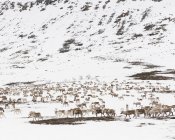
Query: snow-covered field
(17, 126)
(20, 129)
(85, 40)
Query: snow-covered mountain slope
(61, 39)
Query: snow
(103, 57)
(119, 130)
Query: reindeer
(121, 98)
(97, 111)
(17, 111)
(167, 109)
(69, 112)
(129, 112)
(143, 96)
(82, 105)
(77, 112)
(13, 105)
(109, 112)
(65, 103)
(1, 109)
(59, 113)
(7, 106)
(86, 111)
(2, 114)
(154, 112)
(154, 103)
(35, 115)
(141, 111)
(173, 107)
(137, 104)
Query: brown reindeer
(2, 114)
(1, 109)
(166, 110)
(65, 103)
(141, 111)
(77, 112)
(35, 115)
(129, 112)
(109, 112)
(97, 111)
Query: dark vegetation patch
(72, 121)
(100, 31)
(67, 43)
(126, 67)
(146, 65)
(46, 2)
(110, 18)
(86, 7)
(153, 75)
(21, 6)
(124, 14)
(137, 35)
(45, 26)
(20, 52)
(31, 36)
(136, 63)
(170, 71)
(66, 1)
(121, 29)
(106, 2)
(149, 27)
(150, 66)
(144, 124)
(118, 60)
(102, 19)
(157, 0)
(96, 7)
(99, 58)
(145, 14)
(42, 59)
(121, 23)
(3, 49)
(120, 1)
(19, 83)
(22, 35)
(19, 67)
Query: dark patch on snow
(3, 49)
(152, 75)
(86, 7)
(72, 121)
(19, 83)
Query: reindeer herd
(83, 99)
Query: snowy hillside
(64, 39)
